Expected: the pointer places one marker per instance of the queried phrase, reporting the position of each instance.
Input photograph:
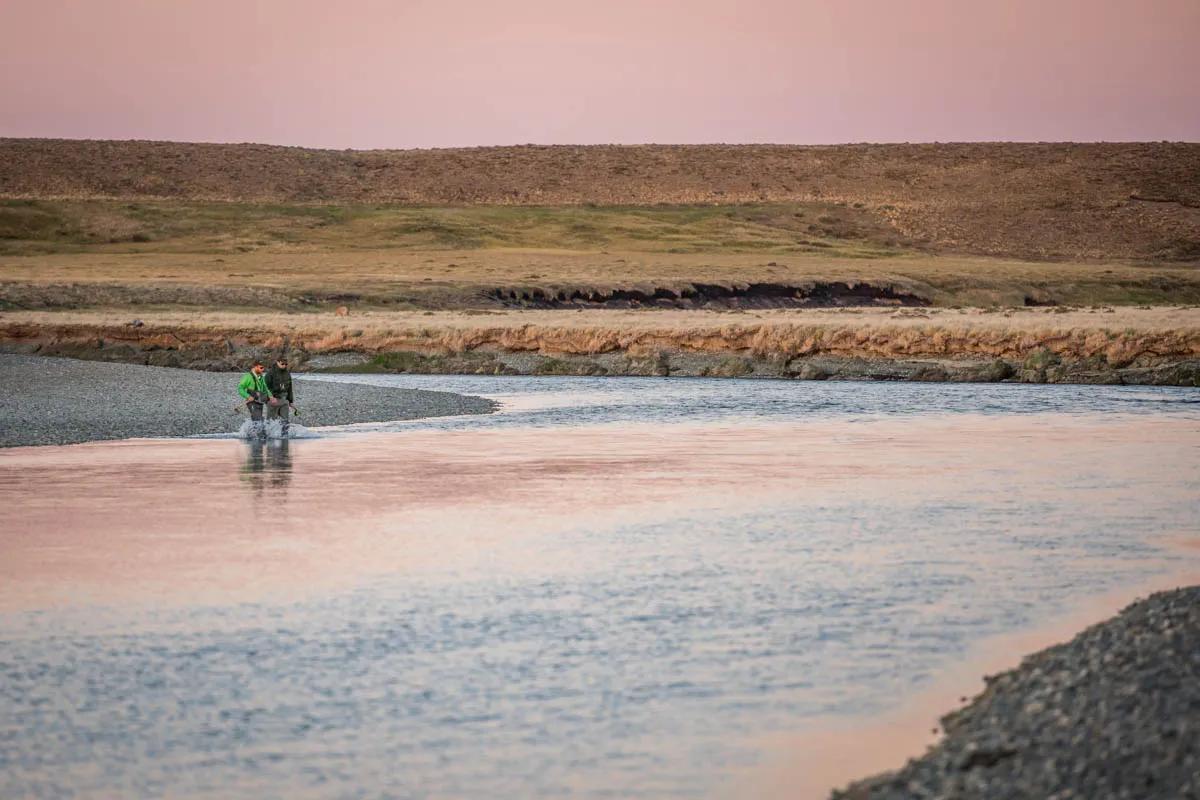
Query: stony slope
(1114, 713)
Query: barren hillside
(1039, 201)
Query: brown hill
(1043, 201)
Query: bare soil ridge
(1138, 201)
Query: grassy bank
(278, 277)
(33, 226)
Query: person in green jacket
(254, 391)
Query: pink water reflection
(221, 521)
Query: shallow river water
(611, 588)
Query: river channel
(610, 588)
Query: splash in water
(272, 429)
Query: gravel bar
(1114, 713)
(63, 401)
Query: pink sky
(442, 73)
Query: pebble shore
(62, 401)
(1114, 714)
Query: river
(611, 588)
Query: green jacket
(253, 383)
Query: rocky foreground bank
(64, 401)
(1114, 713)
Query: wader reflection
(268, 465)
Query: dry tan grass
(354, 269)
(455, 278)
(1177, 318)
(1119, 336)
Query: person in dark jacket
(282, 403)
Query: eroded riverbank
(1152, 346)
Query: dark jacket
(279, 381)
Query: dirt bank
(1154, 346)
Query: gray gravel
(62, 401)
(1114, 713)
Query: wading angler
(255, 394)
(279, 384)
(270, 390)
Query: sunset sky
(441, 73)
